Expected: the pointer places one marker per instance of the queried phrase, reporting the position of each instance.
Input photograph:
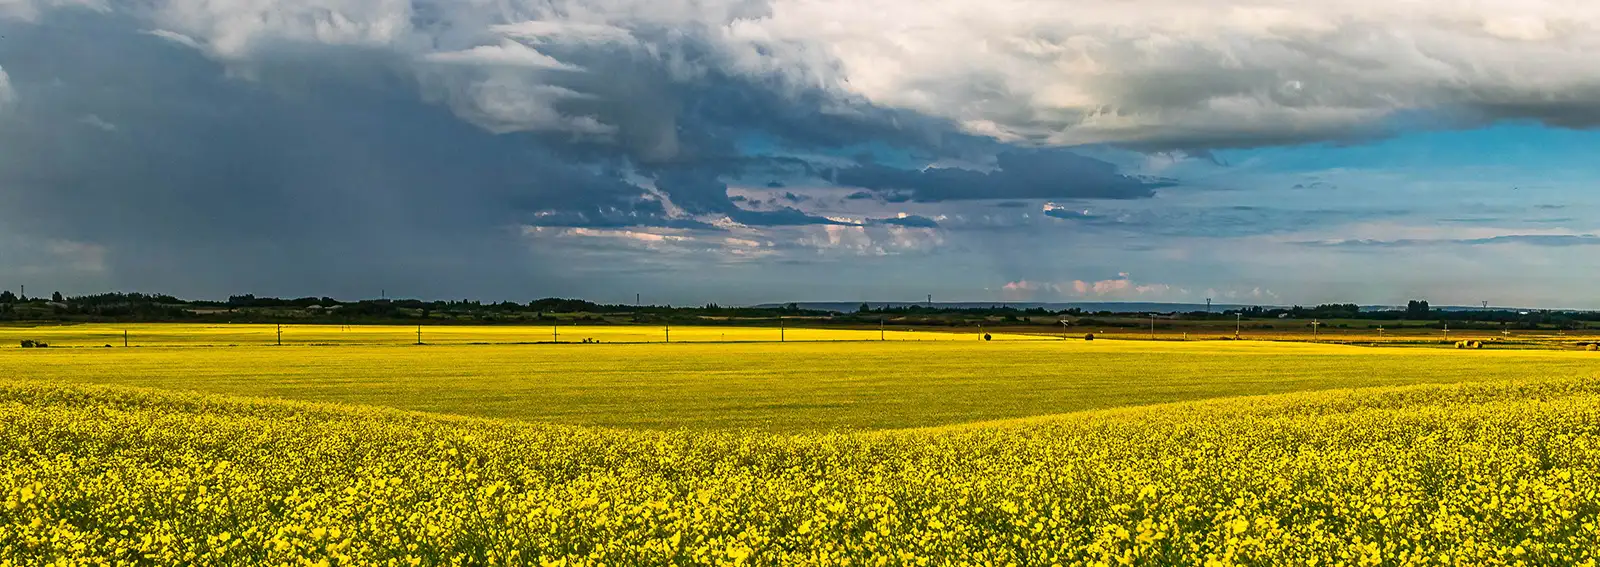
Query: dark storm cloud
(344, 175)
(1018, 174)
(332, 170)
(700, 192)
(1577, 112)
(910, 221)
(671, 104)
(1069, 214)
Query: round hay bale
(1089, 337)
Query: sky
(746, 151)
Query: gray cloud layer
(335, 159)
(1038, 174)
(333, 146)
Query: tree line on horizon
(132, 307)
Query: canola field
(180, 334)
(851, 453)
(1472, 474)
(787, 387)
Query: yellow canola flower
(1483, 474)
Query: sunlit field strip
(177, 334)
(794, 386)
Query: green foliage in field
(1483, 474)
(781, 387)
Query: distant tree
(56, 297)
(8, 297)
(1416, 309)
(864, 308)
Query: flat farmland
(179, 334)
(782, 387)
(1036, 452)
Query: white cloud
(237, 29)
(722, 247)
(1170, 73)
(95, 121)
(177, 38)
(1203, 71)
(567, 33)
(863, 240)
(8, 95)
(29, 10)
(507, 53)
(1120, 287)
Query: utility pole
(1238, 322)
(1446, 331)
(1314, 324)
(555, 333)
(1208, 305)
(930, 301)
(280, 335)
(781, 330)
(1152, 326)
(419, 334)
(1063, 329)
(124, 338)
(669, 332)
(880, 329)
(1380, 331)
(637, 301)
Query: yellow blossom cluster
(1483, 474)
